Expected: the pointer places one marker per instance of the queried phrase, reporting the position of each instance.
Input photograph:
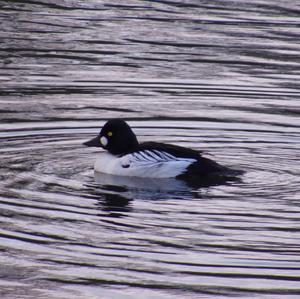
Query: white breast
(147, 164)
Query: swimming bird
(125, 156)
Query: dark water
(217, 76)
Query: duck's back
(174, 150)
(192, 161)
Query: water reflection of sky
(218, 77)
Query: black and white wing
(155, 163)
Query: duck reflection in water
(117, 192)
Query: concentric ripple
(77, 229)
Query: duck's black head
(116, 137)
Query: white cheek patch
(103, 141)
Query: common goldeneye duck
(125, 156)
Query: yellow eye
(109, 134)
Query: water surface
(220, 77)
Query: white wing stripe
(146, 155)
(154, 155)
(169, 155)
(159, 154)
(136, 156)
